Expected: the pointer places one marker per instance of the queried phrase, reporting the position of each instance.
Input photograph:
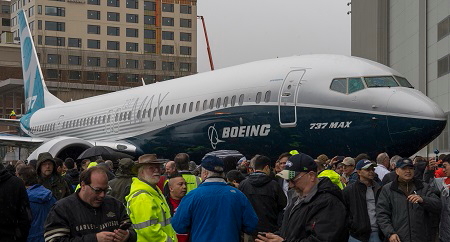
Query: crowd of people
(295, 198)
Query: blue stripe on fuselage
(318, 131)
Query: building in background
(5, 16)
(413, 38)
(91, 47)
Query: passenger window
(197, 106)
(129, 115)
(218, 103)
(355, 84)
(184, 107)
(267, 97)
(233, 100)
(211, 104)
(205, 104)
(121, 117)
(109, 119)
(139, 114)
(171, 109)
(104, 118)
(339, 85)
(225, 102)
(178, 108)
(191, 105)
(155, 111)
(241, 99)
(143, 113)
(149, 113)
(258, 97)
(160, 111)
(167, 110)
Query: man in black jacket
(360, 198)
(15, 210)
(405, 205)
(318, 213)
(88, 214)
(72, 174)
(265, 195)
(120, 186)
(49, 177)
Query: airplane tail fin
(36, 93)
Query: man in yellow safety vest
(146, 205)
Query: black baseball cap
(404, 162)
(296, 164)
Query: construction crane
(207, 43)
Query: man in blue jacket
(214, 211)
(41, 201)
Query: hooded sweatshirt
(55, 182)
(267, 198)
(41, 201)
(14, 208)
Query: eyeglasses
(99, 190)
(296, 178)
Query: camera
(436, 151)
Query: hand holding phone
(125, 226)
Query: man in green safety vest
(182, 163)
(146, 205)
(12, 115)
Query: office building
(412, 37)
(90, 47)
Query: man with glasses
(147, 205)
(89, 214)
(360, 198)
(318, 213)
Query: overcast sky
(242, 31)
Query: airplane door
(287, 101)
(59, 124)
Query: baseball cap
(298, 163)
(404, 162)
(349, 161)
(213, 163)
(364, 164)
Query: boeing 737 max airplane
(331, 104)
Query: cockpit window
(381, 81)
(339, 85)
(403, 82)
(355, 84)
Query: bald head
(383, 159)
(177, 187)
(171, 169)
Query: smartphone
(125, 226)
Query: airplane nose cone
(414, 121)
(414, 103)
